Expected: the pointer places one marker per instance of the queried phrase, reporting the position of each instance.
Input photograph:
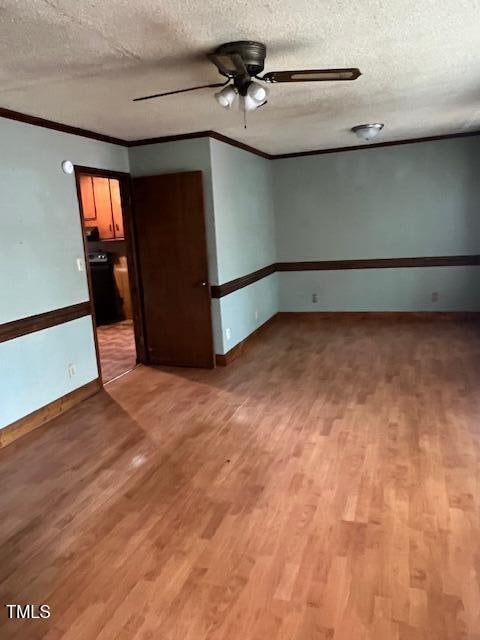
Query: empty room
(240, 320)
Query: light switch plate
(81, 264)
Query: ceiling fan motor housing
(252, 53)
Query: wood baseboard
(381, 315)
(43, 415)
(221, 360)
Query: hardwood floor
(326, 485)
(116, 344)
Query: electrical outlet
(435, 296)
(228, 333)
(80, 264)
(72, 370)
(314, 298)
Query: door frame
(132, 256)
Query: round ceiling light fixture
(368, 132)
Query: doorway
(147, 263)
(104, 202)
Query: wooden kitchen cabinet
(116, 208)
(102, 206)
(88, 200)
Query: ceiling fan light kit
(241, 63)
(367, 132)
(254, 96)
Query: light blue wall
(244, 214)
(381, 289)
(245, 239)
(40, 241)
(41, 236)
(245, 310)
(34, 368)
(413, 200)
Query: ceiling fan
(242, 61)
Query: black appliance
(92, 233)
(105, 297)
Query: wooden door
(116, 209)
(172, 252)
(103, 206)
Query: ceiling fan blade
(171, 93)
(312, 75)
(229, 64)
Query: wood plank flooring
(116, 344)
(325, 486)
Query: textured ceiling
(81, 62)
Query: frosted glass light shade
(248, 103)
(257, 92)
(226, 97)
(367, 132)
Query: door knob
(204, 283)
